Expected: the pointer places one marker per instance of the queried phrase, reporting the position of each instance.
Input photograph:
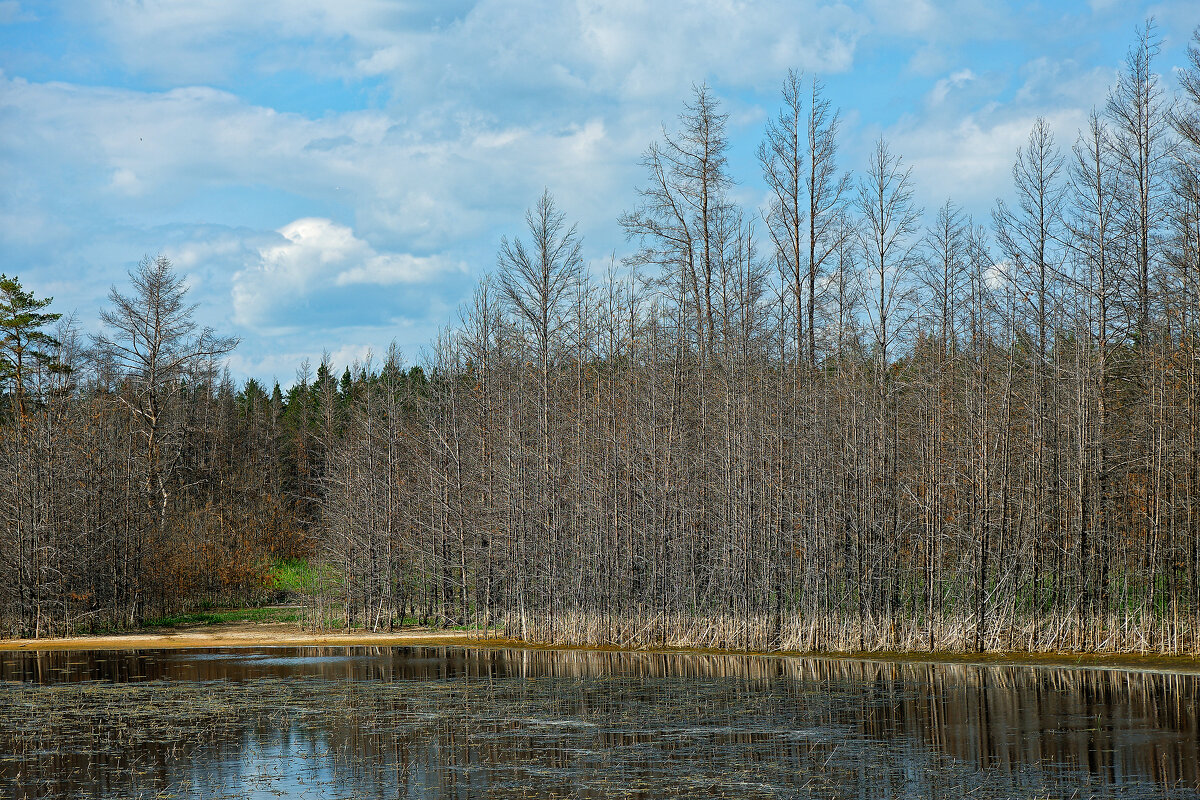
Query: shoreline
(264, 634)
(276, 634)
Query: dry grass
(1128, 635)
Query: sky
(336, 176)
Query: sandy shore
(241, 634)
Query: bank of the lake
(285, 634)
(248, 634)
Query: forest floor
(253, 628)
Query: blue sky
(335, 176)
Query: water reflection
(435, 722)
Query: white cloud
(945, 21)
(913, 16)
(315, 254)
(283, 367)
(385, 270)
(963, 143)
(627, 48)
(126, 180)
(943, 87)
(423, 183)
(970, 160)
(1050, 82)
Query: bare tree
(538, 281)
(539, 284)
(1095, 243)
(782, 157)
(156, 345)
(804, 217)
(889, 248)
(678, 224)
(886, 238)
(1029, 234)
(827, 197)
(1140, 120)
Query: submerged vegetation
(819, 425)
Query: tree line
(834, 422)
(135, 480)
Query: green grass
(299, 575)
(230, 615)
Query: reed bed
(1115, 634)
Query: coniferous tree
(25, 347)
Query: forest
(839, 422)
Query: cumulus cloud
(316, 254)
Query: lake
(449, 722)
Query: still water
(438, 722)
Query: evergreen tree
(24, 346)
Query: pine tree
(24, 346)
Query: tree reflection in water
(453, 723)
